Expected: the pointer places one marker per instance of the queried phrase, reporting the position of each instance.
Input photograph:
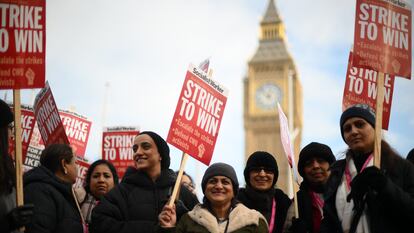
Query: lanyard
(272, 219)
(348, 173)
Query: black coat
(55, 208)
(390, 211)
(134, 204)
(305, 206)
(262, 202)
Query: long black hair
(92, 167)
(7, 174)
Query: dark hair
(53, 154)
(7, 174)
(92, 168)
(186, 174)
(410, 156)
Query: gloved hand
(298, 226)
(370, 178)
(20, 216)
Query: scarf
(344, 208)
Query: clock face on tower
(267, 96)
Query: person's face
(261, 178)
(101, 180)
(146, 155)
(316, 171)
(219, 190)
(186, 181)
(359, 135)
(72, 170)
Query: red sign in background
(382, 38)
(36, 146)
(48, 118)
(77, 130)
(28, 121)
(22, 44)
(117, 145)
(83, 166)
(361, 87)
(195, 126)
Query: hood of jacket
(239, 217)
(43, 175)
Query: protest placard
(117, 145)
(22, 44)
(48, 118)
(382, 38)
(27, 123)
(83, 166)
(361, 87)
(77, 128)
(195, 126)
(36, 146)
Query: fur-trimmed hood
(239, 217)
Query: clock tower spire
(266, 84)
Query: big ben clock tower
(266, 84)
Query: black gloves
(20, 216)
(371, 178)
(298, 226)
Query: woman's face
(101, 180)
(261, 178)
(146, 155)
(359, 135)
(72, 170)
(186, 181)
(219, 190)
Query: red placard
(83, 166)
(22, 44)
(382, 39)
(361, 87)
(77, 128)
(34, 150)
(117, 145)
(48, 119)
(28, 122)
(197, 118)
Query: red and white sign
(117, 145)
(361, 88)
(36, 146)
(286, 142)
(22, 44)
(28, 122)
(196, 122)
(77, 128)
(83, 166)
(382, 38)
(48, 119)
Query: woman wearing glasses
(261, 174)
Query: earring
(65, 171)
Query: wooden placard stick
(178, 181)
(378, 119)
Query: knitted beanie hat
(6, 115)
(162, 147)
(363, 111)
(221, 169)
(314, 150)
(261, 159)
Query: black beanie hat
(221, 169)
(162, 147)
(313, 150)
(6, 115)
(261, 159)
(358, 110)
(410, 156)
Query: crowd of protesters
(349, 195)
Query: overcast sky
(141, 49)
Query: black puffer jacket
(262, 202)
(390, 211)
(55, 208)
(134, 205)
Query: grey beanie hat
(162, 147)
(363, 111)
(221, 169)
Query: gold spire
(271, 26)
